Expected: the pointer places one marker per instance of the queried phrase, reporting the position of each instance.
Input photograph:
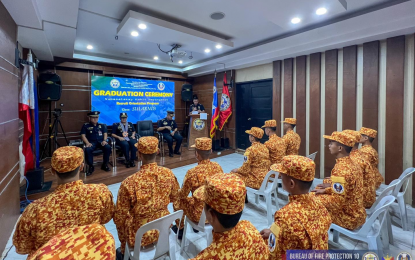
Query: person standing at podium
(168, 127)
(196, 106)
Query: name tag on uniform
(99, 133)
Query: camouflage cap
(67, 158)
(270, 123)
(256, 131)
(83, 242)
(296, 166)
(354, 133)
(225, 193)
(203, 143)
(368, 132)
(147, 145)
(291, 121)
(343, 138)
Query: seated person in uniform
(291, 138)
(196, 106)
(124, 134)
(85, 242)
(342, 193)
(94, 135)
(256, 160)
(168, 128)
(223, 196)
(72, 204)
(368, 136)
(303, 223)
(144, 196)
(195, 178)
(276, 145)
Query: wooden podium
(197, 128)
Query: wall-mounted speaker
(187, 92)
(49, 87)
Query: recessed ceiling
(260, 32)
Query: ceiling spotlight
(156, 58)
(321, 11)
(89, 47)
(180, 61)
(142, 26)
(295, 20)
(218, 46)
(207, 50)
(134, 33)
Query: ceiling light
(217, 16)
(142, 26)
(89, 47)
(156, 58)
(218, 46)
(134, 33)
(207, 50)
(321, 11)
(295, 20)
(180, 61)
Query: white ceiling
(259, 30)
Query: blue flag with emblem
(215, 110)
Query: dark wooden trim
(276, 93)
(330, 105)
(395, 67)
(315, 108)
(371, 86)
(349, 87)
(288, 87)
(300, 103)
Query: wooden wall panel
(301, 67)
(10, 77)
(288, 88)
(331, 105)
(276, 94)
(315, 108)
(349, 87)
(371, 86)
(395, 61)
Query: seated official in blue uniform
(124, 134)
(196, 106)
(94, 136)
(168, 127)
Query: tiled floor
(403, 240)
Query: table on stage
(197, 128)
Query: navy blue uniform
(198, 107)
(95, 135)
(128, 147)
(168, 137)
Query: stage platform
(120, 172)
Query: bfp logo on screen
(115, 83)
(161, 86)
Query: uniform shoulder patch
(86, 123)
(272, 239)
(338, 187)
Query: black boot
(105, 167)
(119, 255)
(132, 163)
(170, 154)
(127, 164)
(90, 170)
(179, 153)
(174, 228)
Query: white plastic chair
(166, 244)
(368, 233)
(388, 191)
(267, 189)
(404, 178)
(312, 156)
(201, 227)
